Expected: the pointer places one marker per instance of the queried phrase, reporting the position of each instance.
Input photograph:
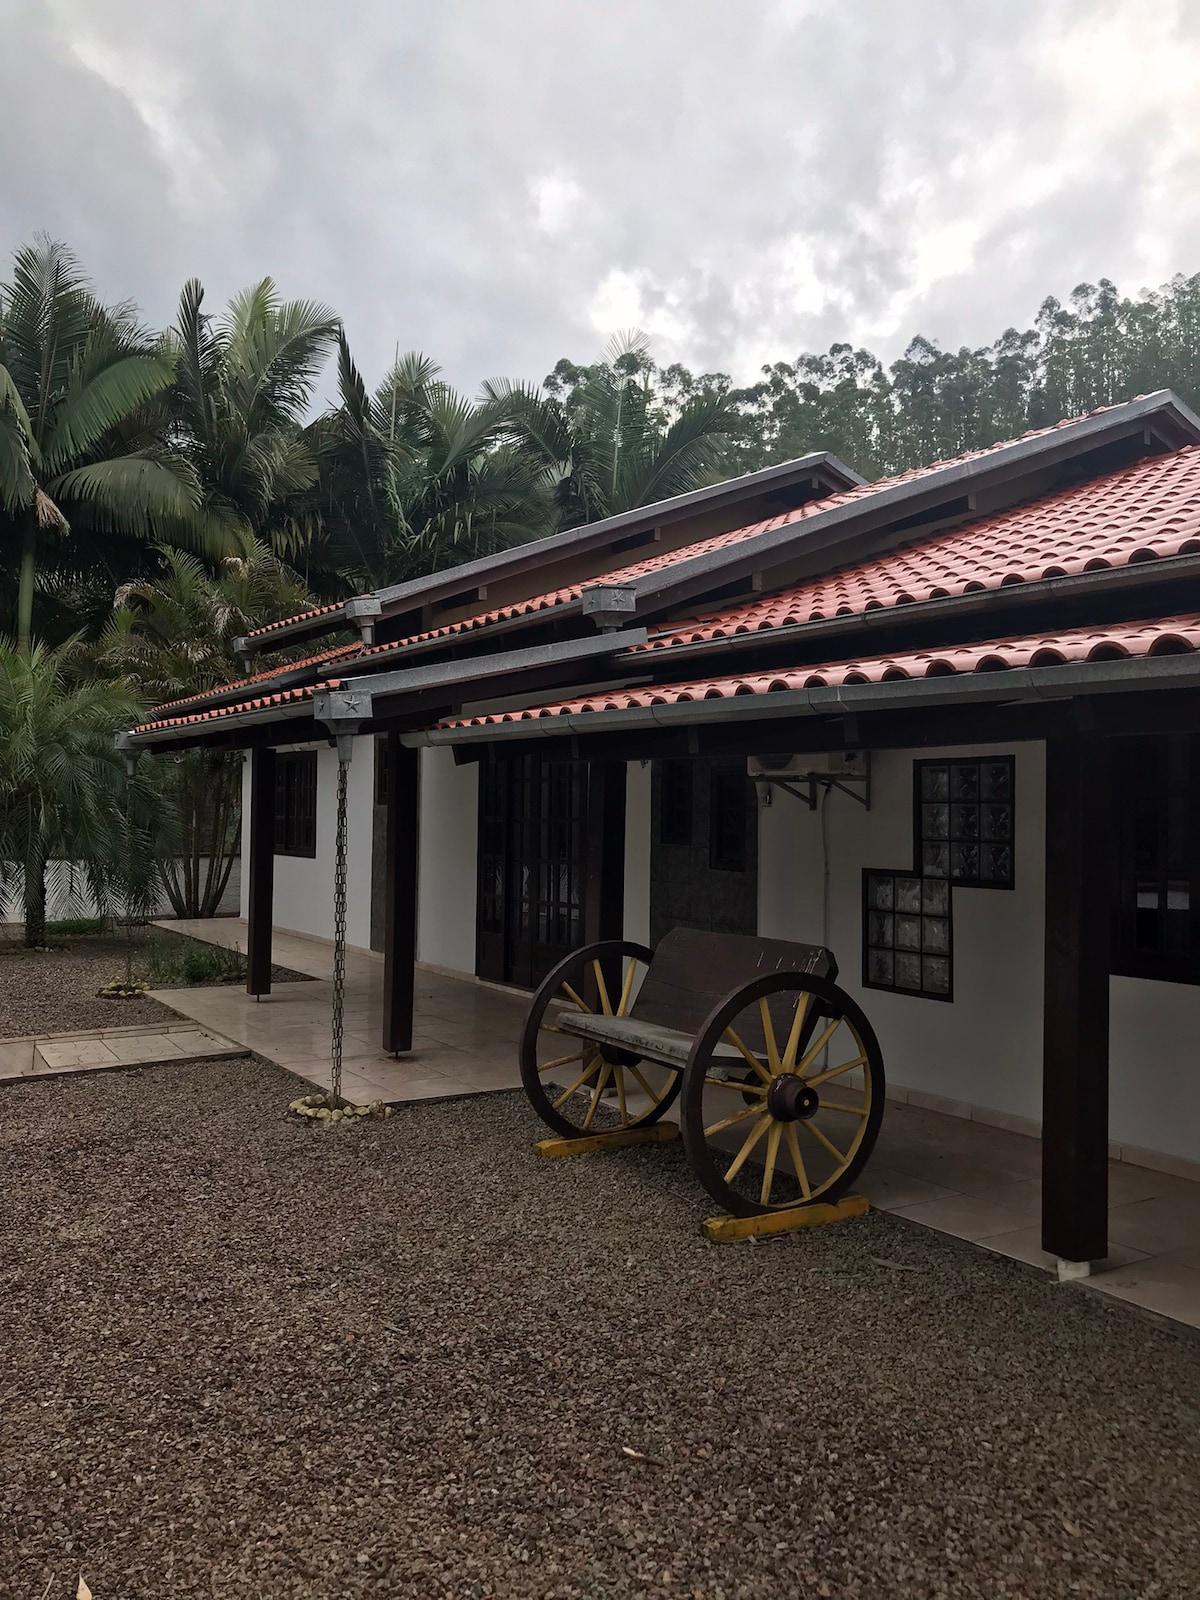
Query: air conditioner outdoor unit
(838, 764)
(780, 766)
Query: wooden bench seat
(650, 1040)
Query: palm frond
(147, 499)
(84, 415)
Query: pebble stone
(249, 1358)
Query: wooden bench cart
(777, 1070)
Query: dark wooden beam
(604, 862)
(1079, 868)
(261, 906)
(400, 894)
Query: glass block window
(908, 943)
(964, 821)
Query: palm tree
(606, 442)
(64, 814)
(416, 477)
(172, 636)
(83, 458)
(244, 385)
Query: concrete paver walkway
(96, 1048)
(959, 1176)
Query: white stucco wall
(447, 874)
(985, 1047)
(1154, 1069)
(303, 884)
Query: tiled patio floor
(960, 1177)
(464, 1042)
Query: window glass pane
(935, 896)
(964, 781)
(935, 973)
(935, 822)
(995, 780)
(880, 890)
(879, 967)
(908, 894)
(908, 970)
(964, 861)
(964, 822)
(935, 860)
(935, 782)
(908, 933)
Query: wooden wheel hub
(791, 1099)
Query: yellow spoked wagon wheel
(782, 1095)
(578, 1086)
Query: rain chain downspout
(345, 750)
(343, 712)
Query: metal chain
(339, 934)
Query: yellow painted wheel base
(620, 1139)
(786, 1221)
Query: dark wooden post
(260, 909)
(1079, 871)
(604, 872)
(400, 894)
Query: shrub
(192, 963)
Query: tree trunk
(27, 578)
(35, 899)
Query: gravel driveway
(247, 1358)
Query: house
(945, 723)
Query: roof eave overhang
(1010, 685)
(830, 535)
(575, 541)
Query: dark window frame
(927, 914)
(1137, 761)
(921, 841)
(296, 803)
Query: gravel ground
(249, 1358)
(54, 991)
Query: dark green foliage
(174, 960)
(931, 404)
(75, 927)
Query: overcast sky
(501, 182)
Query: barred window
(296, 803)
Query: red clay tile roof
(1170, 636)
(277, 671)
(1143, 513)
(638, 569)
(303, 616)
(262, 702)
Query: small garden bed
(57, 990)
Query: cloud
(502, 185)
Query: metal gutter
(235, 719)
(354, 698)
(1013, 684)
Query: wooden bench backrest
(692, 970)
